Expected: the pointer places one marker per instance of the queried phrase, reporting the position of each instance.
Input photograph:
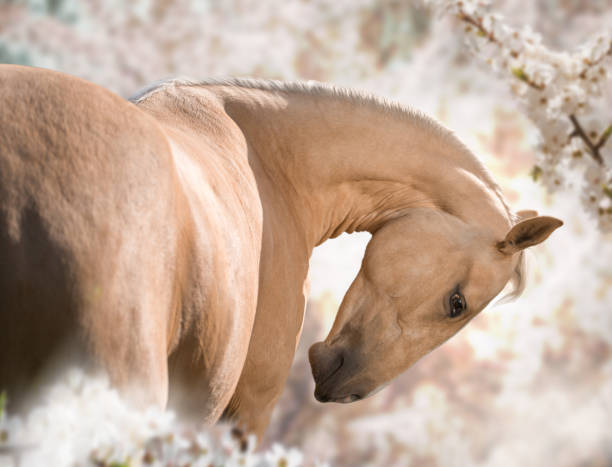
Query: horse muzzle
(331, 367)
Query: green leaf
(607, 132)
(608, 191)
(535, 173)
(520, 74)
(2, 404)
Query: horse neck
(343, 167)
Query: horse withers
(166, 240)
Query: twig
(590, 64)
(477, 23)
(592, 147)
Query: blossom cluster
(564, 94)
(83, 422)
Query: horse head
(424, 276)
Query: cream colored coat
(167, 241)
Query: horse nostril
(321, 397)
(325, 361)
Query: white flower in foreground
(278, 456)
(84, 422)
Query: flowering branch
(560, 93)
(593, 147)
(591, 63)
(477, 23)
(112, 433)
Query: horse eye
(457, 304)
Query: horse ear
(526, 214)
(528, 233)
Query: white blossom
(83, 421)
(558, 91)
(281, 457)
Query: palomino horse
(166, 240)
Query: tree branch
(478, 25)
(592, 147)
(482, 31)
(589, 64)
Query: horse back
(90, 209)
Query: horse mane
(353, 96)
(362, 99)
(518, 280)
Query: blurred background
(527, 383)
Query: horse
(165, 239)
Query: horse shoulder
(211, 160)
